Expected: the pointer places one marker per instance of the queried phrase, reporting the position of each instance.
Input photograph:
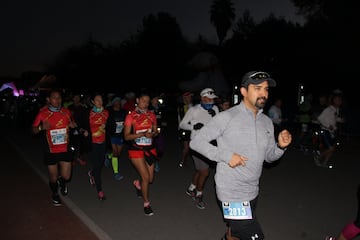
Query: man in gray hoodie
(245, 139)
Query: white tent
(209, 75)
(10, 85)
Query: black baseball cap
(257, 77)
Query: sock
(350, 231)
(115, 164)
(146, 204)
(137, 184)
(62, 180)
(192, 187)
(199, 193)
(54, 187)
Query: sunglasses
(259, 75)
(209, 93)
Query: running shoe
(148, 211)
(101, 195)
(330, 238)
(316, 156)
(138, 191)
(91, 178)
(327, 165)
(107, 161)
(82, 162)
(199, 202)
(157, 166)
(191, 193)
(63, 187)
(118, 176)
(56, 201)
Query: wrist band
(282, 148)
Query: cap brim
(211, 96)
(270, 81)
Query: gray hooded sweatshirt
(238, 131)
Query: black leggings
(97, 157)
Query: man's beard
(260, 105)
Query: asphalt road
(297, 201)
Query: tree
(222, 15)
(245, 26)
(333, 32)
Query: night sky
(34, 32)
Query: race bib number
(119, 127)
(237, 210)
(58, 136)
(143, 141)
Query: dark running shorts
(246, 229)
(117, 140)
(54, 158)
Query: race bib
(143, 141)
(58, 136)
(119, 127)
(237, 210)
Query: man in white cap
(245, 139)
(195, 118)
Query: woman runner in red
(140, 128)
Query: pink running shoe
(101, 195)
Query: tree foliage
(222, 15)
(157, 54)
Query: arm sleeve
(186, 123)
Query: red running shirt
(141, 122)
(97, 125)
(57, 135)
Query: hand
(45, 125)
(72, 124)
(211, 112)
(85, 133)
(237, 160)
(198, 126)
(284, 138)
